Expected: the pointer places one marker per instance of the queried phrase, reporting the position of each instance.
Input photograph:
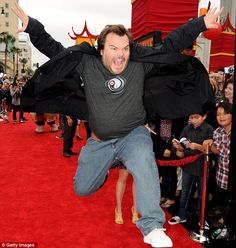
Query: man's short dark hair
(118, 29)
(189, 47)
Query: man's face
(116, 52)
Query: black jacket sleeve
(174, 43)
(42, 40)
(185, 35)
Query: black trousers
(169, 181)
(15, 109)
(88, 131)
(68, 133)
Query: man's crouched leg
(84, 191)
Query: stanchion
(201, 237)
(198, 237)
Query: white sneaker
(176, 220)
(158, 238)
(39, 129)
(54, 128)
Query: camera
(228, 70)
(184, 142)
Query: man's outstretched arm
(179, 39)
(38, 36)
(185, 35)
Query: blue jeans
(188, 181)
(135, 150)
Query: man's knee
(80, 189)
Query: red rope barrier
(179, 162)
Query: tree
(23, 61)
(29, 72)
(15, 50)
(8, 40)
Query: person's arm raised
(211, 18)
(18, 11)
(185, 35)
(180, 38)
(38, 36)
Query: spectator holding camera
(15, 90)
(213, 83)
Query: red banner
(154, 15)
(222, 51)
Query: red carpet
(38, 204)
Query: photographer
(15, 90)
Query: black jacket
(177, 86)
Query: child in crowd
(196, 133)
(221, 147)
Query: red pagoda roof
(84, 34)
(228, 25)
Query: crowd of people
(205, 132)
(119, 135)
(10, 93)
